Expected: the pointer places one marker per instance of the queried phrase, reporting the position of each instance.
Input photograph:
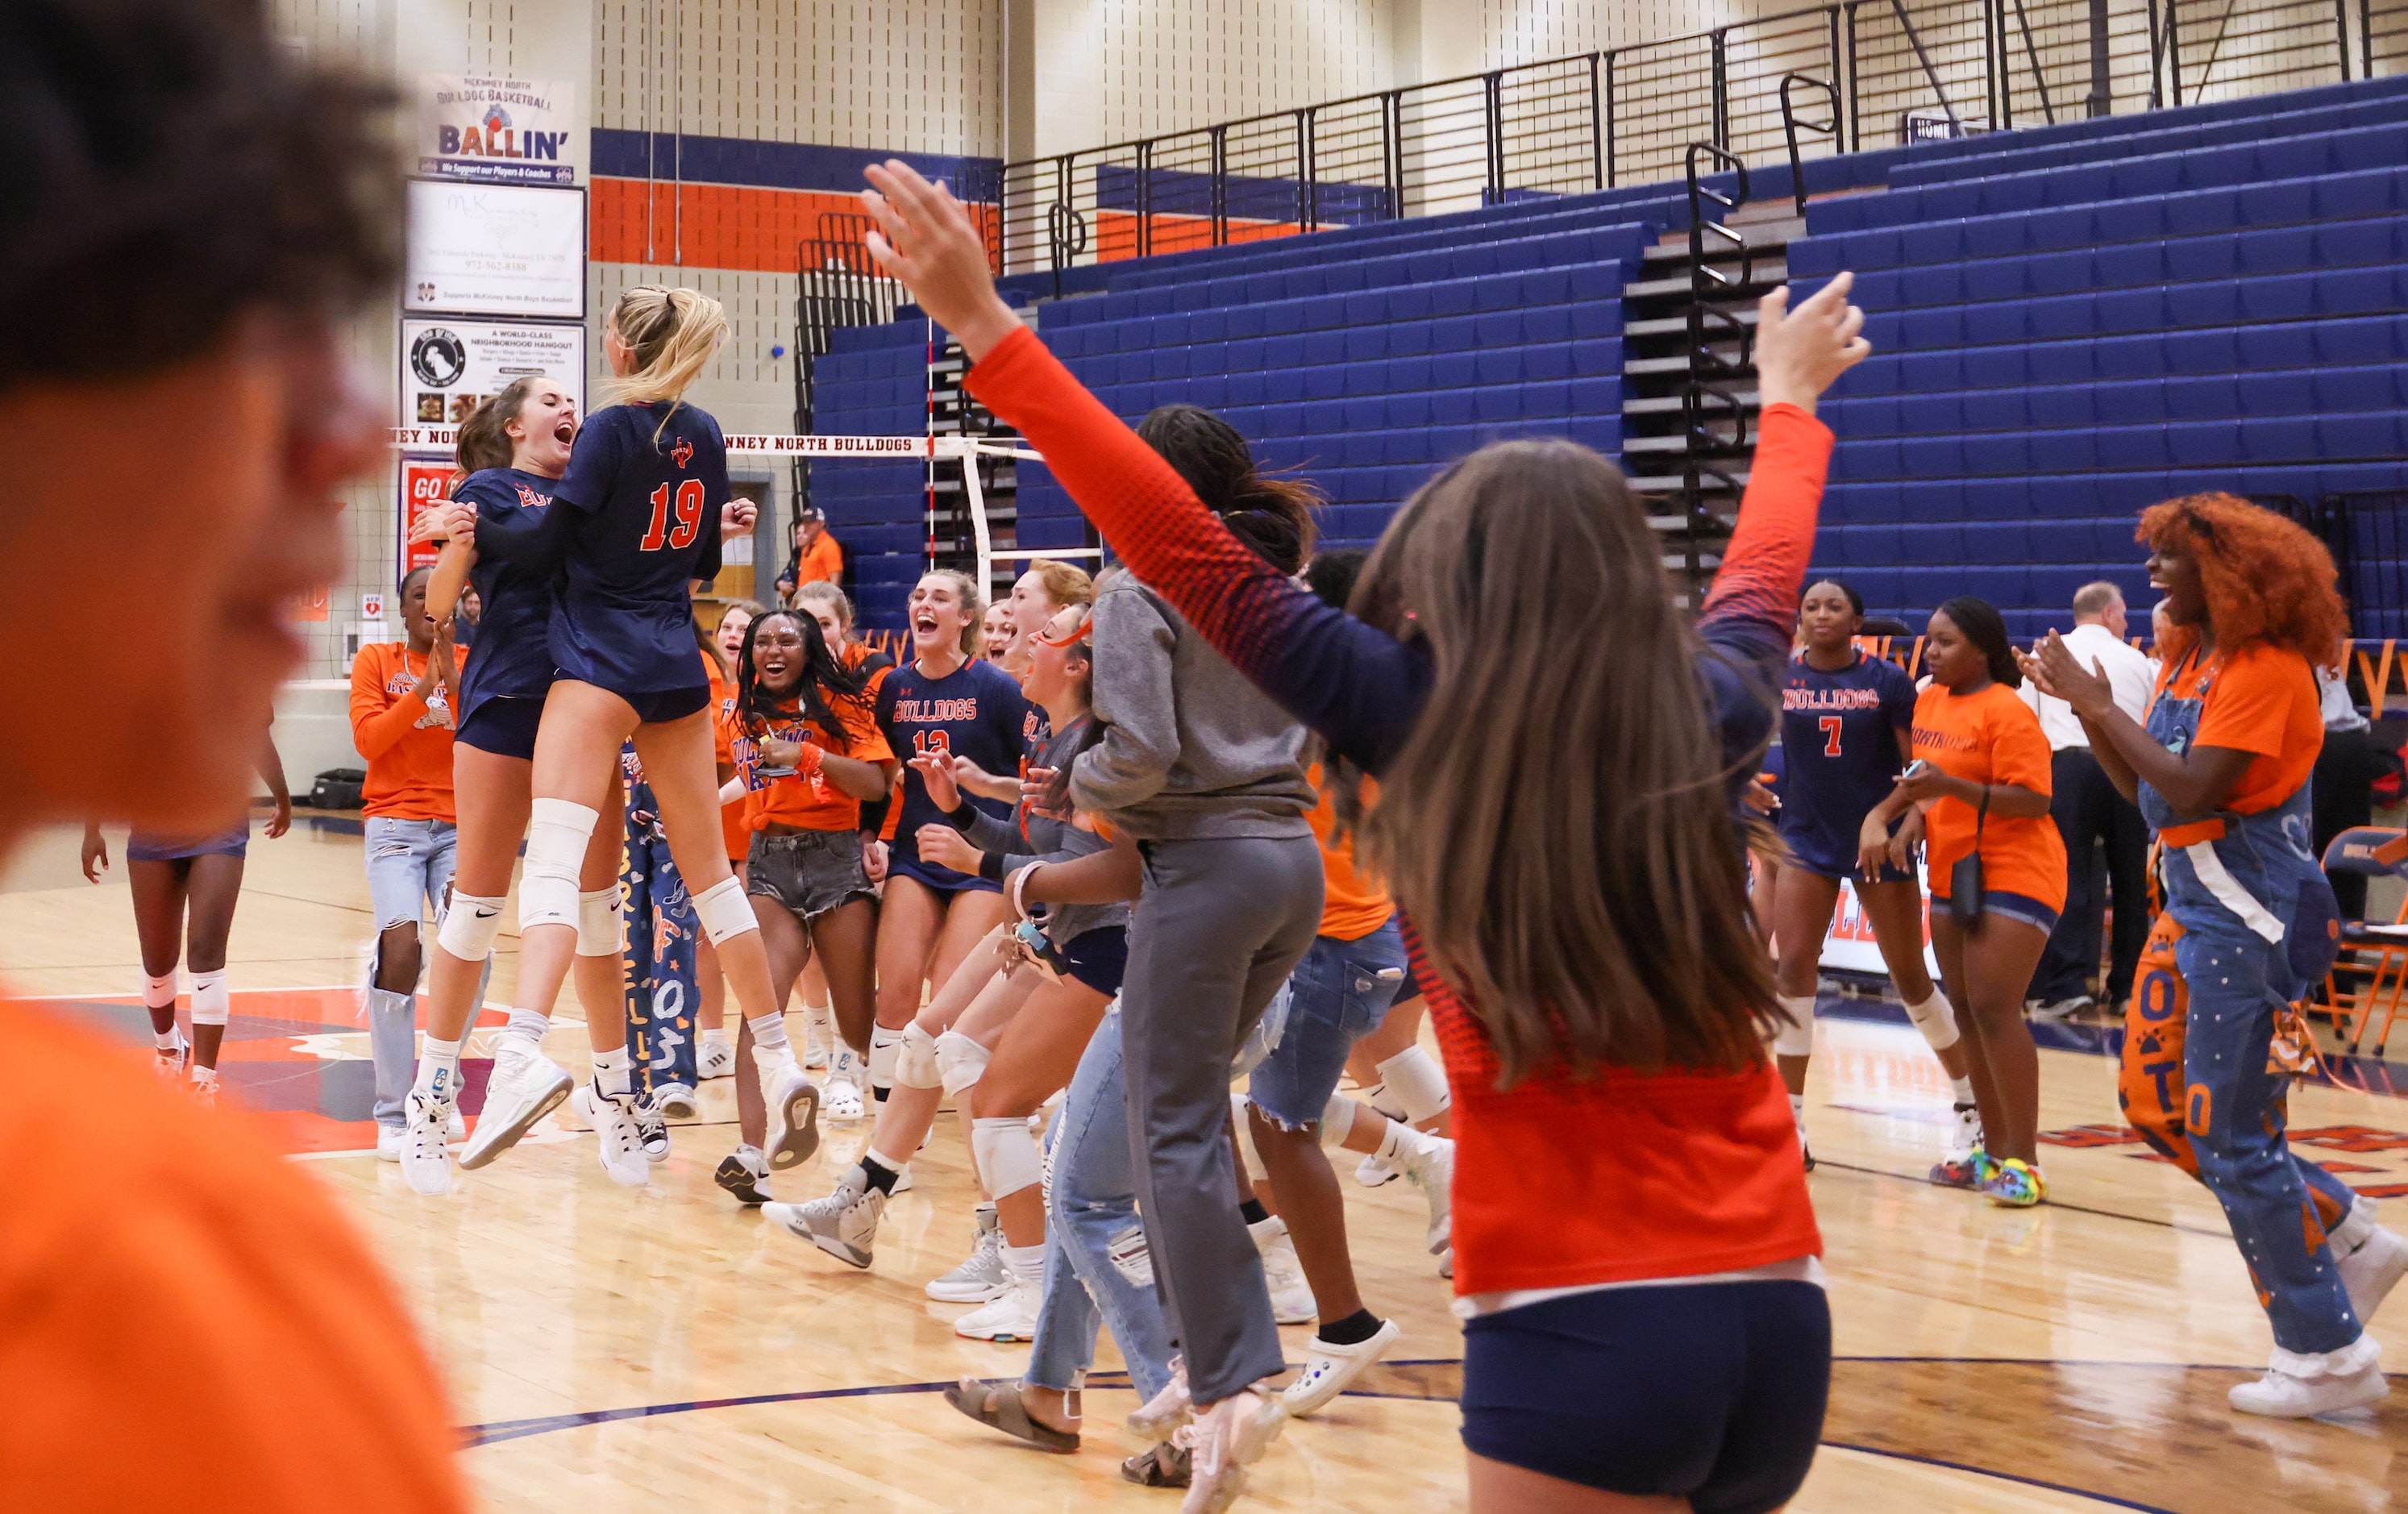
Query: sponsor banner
(423, 482)
(497, 130)
(503, 250)
(1850, 946)
(448, 365)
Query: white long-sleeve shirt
(2127, 671)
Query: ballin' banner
(1850, 946)
(659, 962)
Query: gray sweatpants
(1218, 929)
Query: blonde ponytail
(674, 334)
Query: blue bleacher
(2070, 322)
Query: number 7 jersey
(638, 515)
(1839, 753)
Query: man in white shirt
(2089, 812)
(2346, 768)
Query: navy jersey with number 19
(1839, 752)
(637, 513)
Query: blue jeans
(1096, 1267)
(409, 873)
(1339, 994)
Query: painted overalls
(2248, 925)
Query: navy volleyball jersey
(1839, 752)
(514, 578)
(644, 512)
(977, 712)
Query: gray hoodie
(1192, 750)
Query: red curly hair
(2266, 578)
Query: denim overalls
(2247, 927)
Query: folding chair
(2373, 963)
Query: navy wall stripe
(788, 166)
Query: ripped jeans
(1097, 1271)
(1339, 993)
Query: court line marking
(1821, 1163)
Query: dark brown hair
(170, 169)
(1558, 825)
(481, 443)
(1270, 514)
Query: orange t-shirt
(822, 562)
(1989, 737)
(203, 1331)
(2261, 699)
(807, 803)
(1353, 907)
(407, 745)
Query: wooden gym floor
(610, 1351)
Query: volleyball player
(995, 632)
(1397, 1078)
(185, 889)
(1600, 988)
(827, 604)
(2221, 772)
(943, 701)
(194, 214)
(1847, 720)
(1981, 779)
(402, 698)
(636, 518)
(714, 1053)
(513, 449)
(805, 751)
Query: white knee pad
(1007, 1155)
(1337, 1120)
(210, 999)
(1415, 1080)
(1936, 1017)
(960, 1061)
(1244, 1123)
(916, 1061)
(724, 910)
(159, 992)
(469, 926)
(1798, 1039)
(555, 854)
(598, 923)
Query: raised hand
(1800, 352)
(936, 772)
(445, 520)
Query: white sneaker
(388, 1143)
(454, 1128)
(716, 1059)
(1009, 1316)
(2373, 1266)
(983, 1275)
(844, 1224)
(1291, 1295)
(1329, 1369)
(1964, 1135)
(842, 1100)
(1371, 1172)
(1167, 1410)
(1222, 1442)
(1446, 1263)
(168, 1061)
(2284, 1393)
(425, 1160)
(794, 1118)
(1431, 1169)
(615, 1129)
(523, 1089)
(651, 1129)
(675, 1101)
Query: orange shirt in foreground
(1353, 907)
(1989, 737)
(201, 1331)
(407, 744)
(2256, 698)
(806, 802)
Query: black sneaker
(743, 1179)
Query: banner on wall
(448, 365)
(1850, 946)
(497, 130)
(503, 250)
(424, 481)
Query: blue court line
(2003, 1476)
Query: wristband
(806, 760)
(1018, 888)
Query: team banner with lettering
(662, 935)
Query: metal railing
(839, 287)
(1626, 116)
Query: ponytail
(1271, 515)
(674, 334)
(482, 443)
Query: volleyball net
(444, 440)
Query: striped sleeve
(1357, 687)
(1750, 613)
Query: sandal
(1165, 1466)
(996, 1405)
